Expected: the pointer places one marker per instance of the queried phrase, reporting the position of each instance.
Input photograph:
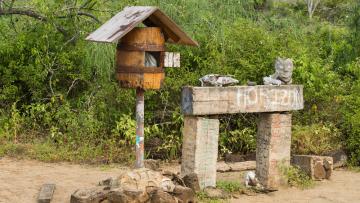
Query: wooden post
(139, 128)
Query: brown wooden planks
(126, 20)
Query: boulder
(317, 167)
(184, 194)
(137, 186)
(162, 197)
(339, 158)
(191, 180)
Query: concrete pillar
(200, 149)
(273, 148)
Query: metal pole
(139, 128)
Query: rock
(222, 167)
(217, 80)
(162, 197)
(234, 157)
(236, 166)
(174, 178)
(106, 182)
(328, 168)
(121, 196)
(184, 194)
(137, 186)
(251, 83)
(192, 181)
(139, 179)
(339, 158)
(319, 171)
(215, 193)
(93, 195)
(250, 179)
(46, 193)
(152, 164)
(317, 167)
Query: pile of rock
(317, 167)
(140, 185)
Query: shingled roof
(126, 20)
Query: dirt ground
(20, 181)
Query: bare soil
(20, 181)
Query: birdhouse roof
(126, 20)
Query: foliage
(58, 92)
(315, 139)
(296, 177)
(230, 186)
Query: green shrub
(296, 177)
(315, 139)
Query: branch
(28, 13)
(31, 14)
(72, 86)
(89, 15)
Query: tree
(7, 9)
(311, 5)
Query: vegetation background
(59, 99)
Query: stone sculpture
(217, 80)
(283, 73)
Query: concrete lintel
(241, 99)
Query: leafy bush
(296, 177)
(59, 92)
(315, 139)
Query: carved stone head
(284, 69)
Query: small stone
(93, 195)
(106, 182)
(235, 196)
(152, 164)
(191, 180)
(215, 193)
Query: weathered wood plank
(241, 99)
(46, 193)
(172, 60)
(126, 20)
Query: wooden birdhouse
(140, 54)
